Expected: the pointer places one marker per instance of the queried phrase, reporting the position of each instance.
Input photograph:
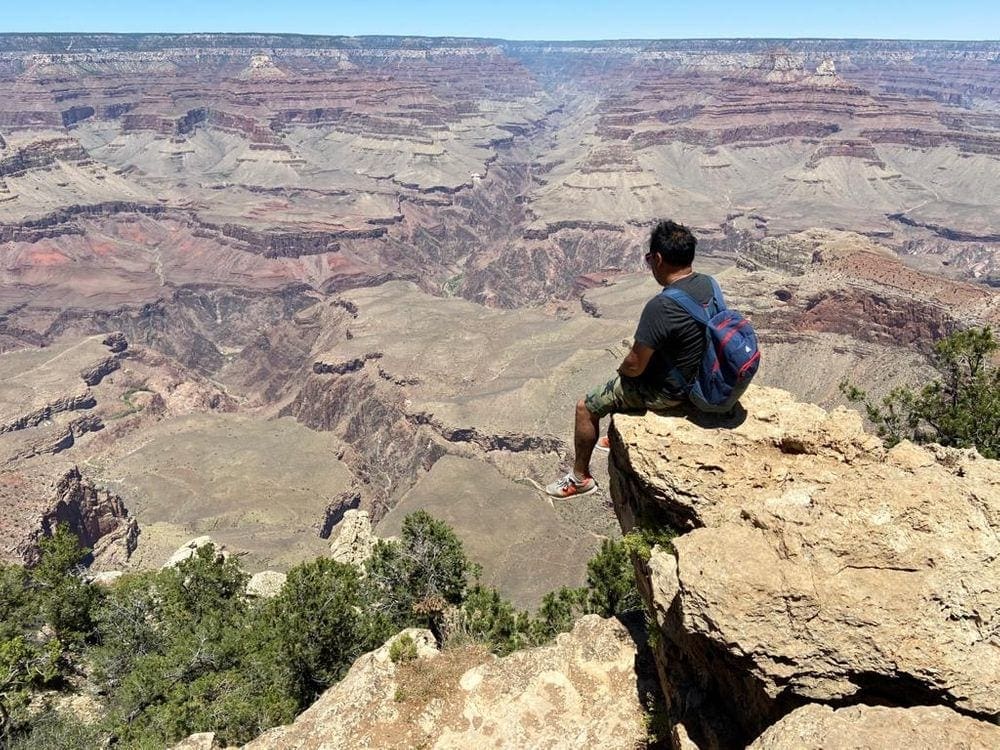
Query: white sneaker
(570, 486)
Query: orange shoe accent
(569, 486)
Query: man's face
(654, 262)
(656, 265)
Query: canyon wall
(390, 266)
(502, 172)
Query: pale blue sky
(521, 19)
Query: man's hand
(635, 361)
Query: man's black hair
(674, 243)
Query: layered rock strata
(499, 171)
(814, 565)
(844, 283)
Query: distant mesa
(262, 67)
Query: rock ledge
(816, 566)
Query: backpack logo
(732, 355)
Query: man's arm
(636, 360)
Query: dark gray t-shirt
(676, 338)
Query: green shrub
(66, 601)
(53, 730)
(25, 665)
(413, 580)
(960, 409)
(180, 651)
(486, 618)
(320, 625)
(184, 650)
(45, 618)
(403, 649)
(557, 613)
(639, 542)
(611, 580)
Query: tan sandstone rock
(106, 579)
(188, 549)
(579, 692)
(817, 565)
(355, 539)
(200, 741)
(862, 727)
(266, 584)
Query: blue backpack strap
(697, 311)
(691, 306)
(720, 301)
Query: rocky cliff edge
(813, 566)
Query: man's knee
(583, 412)
(601, 401)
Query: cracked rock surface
(814, 565)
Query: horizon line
(495, 39)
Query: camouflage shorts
(627, 394)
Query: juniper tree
(960, 408)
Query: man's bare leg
(579, 482)
(585, 433)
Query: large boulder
(918, 728)
(354, 540)
(190, 548)
(578, 692)
(266, 584)
(813, 565)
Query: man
(665, 356)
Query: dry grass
(430, 686)
(422, 681)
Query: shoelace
(568, 481)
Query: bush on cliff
(45, 617)
(67, 602)
(557, 613)
(320, 626)
(412, 581)
(53, 730)
(611, 581)
(182, 649)
(960, 409)
(486, 618)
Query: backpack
(731, 355)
